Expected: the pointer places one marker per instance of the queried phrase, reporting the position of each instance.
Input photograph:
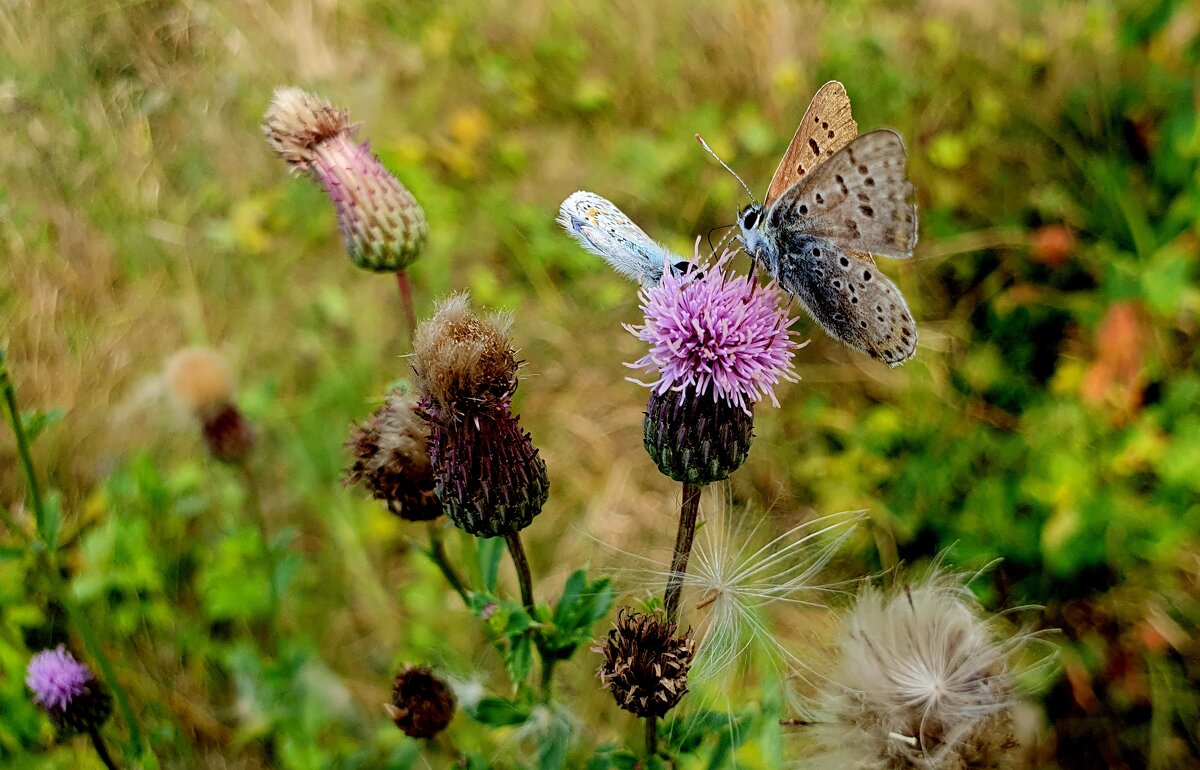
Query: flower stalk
(688, 513)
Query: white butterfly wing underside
(604, 230)
(859, 198)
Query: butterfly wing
(846, 294)
(827, 127)
(857, 199)
(604, 230)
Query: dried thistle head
(462, 359)
(422, 704)
(199, 380)
(391, 459)
(645, 664)
(296, 122)
(924, 680)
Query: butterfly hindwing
(827, 127)
(859, 198)
(604, 230)
(846, 294)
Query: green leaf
(520, 658)
(498, 712)
(52, 523)
(488, 552)
(11, 553)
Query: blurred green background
(1050, 417)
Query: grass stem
(437, 554)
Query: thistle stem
(688, 512)
(522, 564)
(410, 313)
(437, 554)
(50, 563)
(255, 508)
(102, 749)
(651, 735)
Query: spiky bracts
(487, 472)
(382, 224)
(696, 440)
(422, 704)
(391, 459)
(645, 664)
(68, 692)
(924, 680)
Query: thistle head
(486, 470)
(924, 680)
(422, 703)
(199, 381)
(67, 691)
(645, 664)
(382, 225)
(391, 459)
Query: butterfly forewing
(603, 229)
(859, 198)
(846, 294)
(827, 127)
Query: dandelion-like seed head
(925, 680)
(716, 333)
(67, 691)
(391, 459)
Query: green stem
(688, 513)
(50, 563)
(410, 313)
(254, 506)
(522, 564)
(102, 748)
(437, 554)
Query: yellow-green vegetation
(1051, 417)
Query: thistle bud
(718, 344)
(68, 692)
(486, 470)
(645, 664)
(382, 224)
(422, 704)
(391, 459)
(199, 380)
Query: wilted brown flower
(422, 704)
(488, 474)
(391, 459)
(645, 664)
(199, 380)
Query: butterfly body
(836, 199)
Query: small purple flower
(715, 332)
(56, 679)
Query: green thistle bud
(696, 439)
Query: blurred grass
(1050, 417)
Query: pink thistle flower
(714, 332)
(67, 691)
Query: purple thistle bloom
(713, 331)
(56, 679)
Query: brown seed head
(199, 381)
(422, 704)
(391, 459)
(297, 121)
(462, 359)
(645, 664)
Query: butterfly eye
(749, 218)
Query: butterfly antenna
(709, 150)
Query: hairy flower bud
(382, 224)
(645, 664)
(422, 704)
(696, 440)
